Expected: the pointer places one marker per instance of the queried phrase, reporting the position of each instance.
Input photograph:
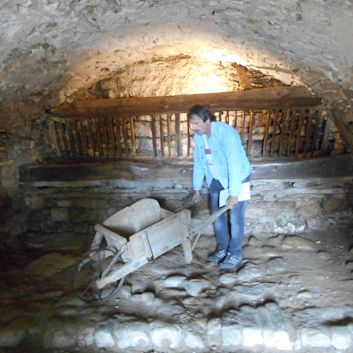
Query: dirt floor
(291, 293)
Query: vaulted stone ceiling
(52, 49)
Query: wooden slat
(125, 135)
(316, 134)
(169, 136)
(59, 134)
(76, 138)
(267, 124)
(282, 134)
(111, 136)
(291, 123)
(298, 134)
(308, 137)
(273, 134)
(133, 135)
(79, 128)
(250, 133)
(161, 134)
(154, 135)
(178, 134)
(189, 140)
(242, 133)
(67, 139)
(53, 137)
(90, 138)
(263, 98)
(104, 134)
(326, 134)
(98, 140)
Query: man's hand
(196, 197)
(232, 201)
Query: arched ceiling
(53, 48)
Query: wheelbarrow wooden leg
(96, 240)
(185, 239)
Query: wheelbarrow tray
(146, 244)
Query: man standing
(220, 157)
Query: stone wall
(279, 204)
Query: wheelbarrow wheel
(93, 266)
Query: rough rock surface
(54, 46)
(284, 297)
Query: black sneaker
(230, 262)
(217, 257)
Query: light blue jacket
(228, 156)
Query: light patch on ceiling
(111, 54)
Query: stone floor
(291, 294)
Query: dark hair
(202, 112)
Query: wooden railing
(295, 132)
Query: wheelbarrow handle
(207, 221)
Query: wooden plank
(155, 172)
(242, 133)
(250, 133)
(161, 134)
(291, 146)
(266, 114)
(104, 136)
(326, 135)
(262, 98)
(273, 133)
(315, 143)
(53, 139)
(67, 139)
(189, 141)
(169, 137)
(90, 138)
(283, 130)
(298, 133)
(308, 137)
(118, 129)
(84, 146)
(154, 135)
(59, 134)
(98, 140)
(178, 134)
(126, 135)
(111, 136)
(133, 136)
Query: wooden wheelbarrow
(129, 239)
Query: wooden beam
(167, 173)
(262, 98)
